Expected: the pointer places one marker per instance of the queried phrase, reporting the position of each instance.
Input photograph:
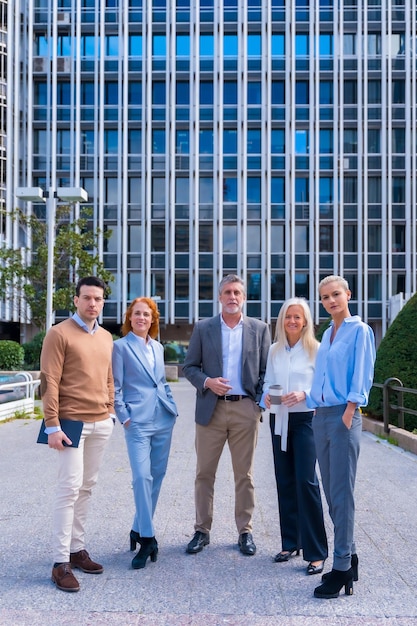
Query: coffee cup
(275, 395)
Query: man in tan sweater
(77, 384)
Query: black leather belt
(232, 398)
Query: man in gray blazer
(226, 362)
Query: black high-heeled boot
(148, 548)
(134, 539)
(354, 563)
(333, 584)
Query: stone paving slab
(219, 586)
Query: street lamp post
(51, 197)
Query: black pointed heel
(354, 563)
(285, 555)
(334, 583)
(148, 548)
(134, 539)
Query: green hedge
(11, 355)
(33, 351)
(397, 357)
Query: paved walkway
(218, 586)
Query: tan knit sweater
(76, 374)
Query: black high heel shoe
(134, 539)
(285, 555)
(333, 584)
(354, 563)
(148, 548)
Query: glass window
(398, 91)
(325, 190)
(277, 141)
(182, 142)
(326, 92)
(350, 141)
(230, 141)
(158, 192)
(134, 92)
(325, 45)
(158, 238)
(253, 238)
(326, 237)
(88, 46)
(374, 44)
(350, 92)
(374, 287)
(41, 94)
(206, 92)
(112, 45)
(277, 239)
(302, 45)
(350, 237)
(374, 140)
(206, 194)
(158, 141)
(182, 190)
(253, 187)
(398, 140)
(111, 141)
(302, 92)
(350, 189)
(326, 141)
(253, 141)
(41, 46)
(398, 189)
(301, 238)
(374, 189)
(134, 138)
(230, 45)
(111, 94)
(302, 193)
(182, 92)
(183, 46)
(159, 44)
(277, 286)
(302, 142)
(230, 92)
(230, 189)
(182, 237)
(278, 189)
(206, 142)
(158, 92)
(205, 237)
(277, 45)
(254, 45)
(278, 92)
(229, 238)
(135, 46)
(254, 92)
(64, 46)
(398, 238)
(207, 45)
(374, 238)
(374, 91)
(349, 44)
(63, 93)
(39, 142)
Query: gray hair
(231, 278)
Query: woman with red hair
(146, 408)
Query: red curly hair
(127, 325)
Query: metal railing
(390, 386)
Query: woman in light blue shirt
(341, 384)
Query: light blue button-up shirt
(344, 368)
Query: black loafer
(198, 542)
(246, 544)
(315, 569)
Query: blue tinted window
(134, 141)
(111, 95)
(277, 141)
(230, 92)
(87, 93)
(206, 92)
(277, 189)
(301, 190)
(278, 45)
(207, 45)
(230, 141)
(88, 46)
(183, 45)
(301, 92)
(301, 142)
(326, 141)
(325, 190)
(254, 45)
(112, 45)
(135, 45)
(326, 92)
(182, 90)
(230, 44)
(134, 93)
(254, 141)
(230, 190)
(206, 142)
(254, 93)
(326, 45)
(159, 45)
(301, 45)
(182, 142)
(278, 92)
(253, 189)
(158, 141)
(158, 92)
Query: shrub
(11, 355)
(323, 326)
(33, 351)
(397, 357)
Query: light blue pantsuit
(148, 449)
(144, 403)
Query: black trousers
(299, 499)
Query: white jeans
(77, 474)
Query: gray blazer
(137, 388)
(204, 359)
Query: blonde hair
(127, 325)
(308, 340)
(334, 279)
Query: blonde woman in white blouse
(290, 364)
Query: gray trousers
(337, 451)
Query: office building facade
(274, 139)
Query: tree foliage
(397, 357)
(24, 270)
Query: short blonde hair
(310, 344)
(334, 279)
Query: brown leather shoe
(82, 561)
(64, 579)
